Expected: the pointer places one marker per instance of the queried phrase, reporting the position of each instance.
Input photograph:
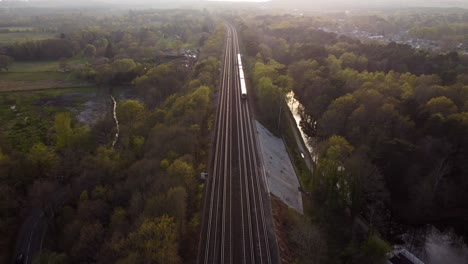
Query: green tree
(334, 178)
(351, 60)
(269, 70)
(130, 112)
(442, 105)
(337, 148)
(42, 158)
(63, 130)
(334, 120)
(159, 82)
(123, 65)
(90, 51)
(270, 99)
(156, 240)
(372, 251)
(183, 173)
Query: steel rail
(220, 120)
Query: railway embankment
(280, 175)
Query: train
(241, 77)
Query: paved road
(30, 237)
(237, 225)
(33, 232)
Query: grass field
(27, 117)
(31, 93)
(12, 37)
(35, 66)
(37, 75)
(28, 81)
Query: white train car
(243, 89)
(241, 74)
(241, 78)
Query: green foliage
(47, 257)
(159, 82)
(270, 99)
(389, 119)
(373, 250)
(337, 148)
(184, 173)
(123, 65)
(269, 70)
(130, 112)
(90, 51)
(156, 240)
(214, 43)
(122, 206)
(191, 109)
(164, 164)
(63, 130)
(42, 158)
(442, 105)
(350, 60)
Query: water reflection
(296, 109)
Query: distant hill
(288, 4)
(102, 3)
(345, 4)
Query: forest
(391, 124)
(137, 201)
(388, 122)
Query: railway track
(236, 220)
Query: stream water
(114, 113)
(430, 244)
(296, 109)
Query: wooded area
(391, 122)
(137, 202)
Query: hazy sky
(294, 3)
(361, 3)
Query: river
(430, 244)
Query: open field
(37, 75)
(28, 116)
(12, 37)
(28, 81)
(34, 66)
